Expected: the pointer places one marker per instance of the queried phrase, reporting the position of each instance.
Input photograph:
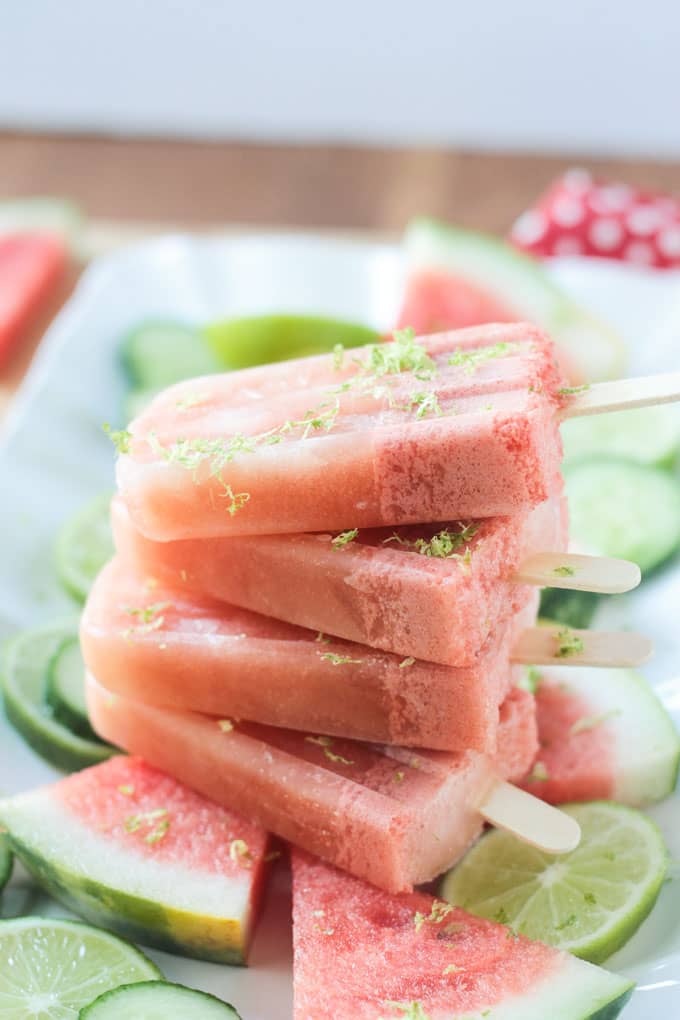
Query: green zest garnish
(425, 402)
(127, 790)
(570, 391)
(589, 722)
(321, 741)
(321, 639)
(225, 725)
(338, 356)
(338, 758)
(439, 911)
(408, 1010)
(338, 660)
(444, 545)
(148, 618)
(398, 777)
(568, 643)
(240, 853)
(402, 354)
(451, 969)
(471, 360)
(133, 823)
(564, 571)
(120, 438)
(538, 774)
(344, 538)
(237, 500)
(405, 663)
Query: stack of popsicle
(325, 563)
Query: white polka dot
(577, 179)
(610, 198)
(568, 246)
(530, 227)
(567, 211)
(605, 234)
(669, 242)
(639, 252)
(644, 220)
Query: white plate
(54, 456)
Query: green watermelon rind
(492, 264)
(132, 917)
(31, 717)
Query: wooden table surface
(201, 185)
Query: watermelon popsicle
(458, 425)
(168, 648)
(389, 815)
(372, 587)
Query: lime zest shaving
(589, 722)
(344, 538)
(239, 853)
(147, 618)
(564, 571)
(337, 758)
(470, 361)
(408, 661)
(121, 438)
(322, 639)
(338, 660)
(568, 643)
(538, 774)
(409, 1010)
(444, 545)
(127, 789)
(402, 354)
(398, 777)
(440, 910)
(531, 680)
(451, 969)
(225, 725)
(338, 356)
(571, 391)
(133, 823)
(320, 741)
(425, 402)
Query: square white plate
(54, 456)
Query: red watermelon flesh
(436, 301)
(31, 266)
(361, 954)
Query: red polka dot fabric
(581, 216)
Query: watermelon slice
(462, 278)
(130, 849)
(604, 735)
(31, 267)
(361, 954)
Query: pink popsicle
(457, 425)
(389, 815)
(377, 589)
(172, 649)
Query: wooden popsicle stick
(557, 645)
(602, 574)
(530, 819)
(621, 394)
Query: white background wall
(585, 75)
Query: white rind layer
(646, 743)
(573, 991)
(46, 828)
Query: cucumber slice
(65, 689)
(157, 354)
(52, 968)
(83, 546)
(37, 215)
(6, 861)
(650, 435)
(240, 343)
(573, 608)
(24, 675)
(523, 285)
(157, 1000)
(619, 508)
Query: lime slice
(24, 676)
(5, 861)
(52, 968)
(83, 546)
(588, 902)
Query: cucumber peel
(65, 689)
(84, 544)
(157, 1000)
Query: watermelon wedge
(31, 267)
(361, 954)
(459, 277)
(131, 850)
(604, 735)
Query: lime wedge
(589, 901)
(83, 546)
(5, 861)
(52, 968)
